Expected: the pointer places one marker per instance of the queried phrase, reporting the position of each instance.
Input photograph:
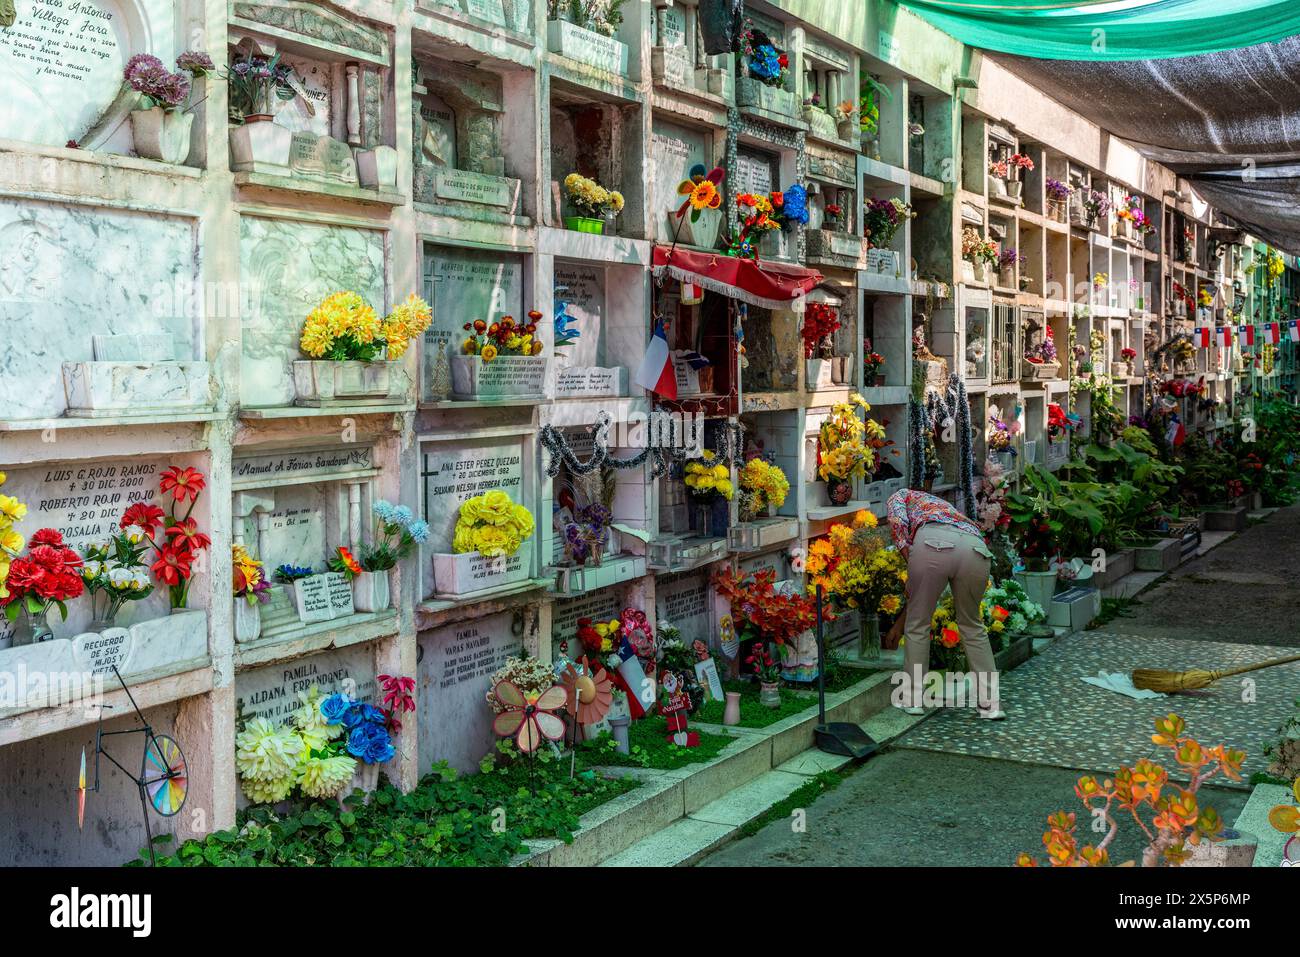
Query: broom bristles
(1153, 679)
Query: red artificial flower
(783, 60)
(185, 536)
(47, 536)
(349, 562)
(397, 693)
(146, 516)
(950, 638)
(172, 566)
(184, 484)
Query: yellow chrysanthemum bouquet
(845, 447)
(857, 566)
(763, 484)
(590, 199)
(11, 543)
(707, 478)
(492, 525)
(345, 327)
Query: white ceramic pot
(1015, 188)
(260, 145)
(248, 620)
(370, 591)
(162, 135)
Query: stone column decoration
(354, 514)
(354, 104)
(263, 526)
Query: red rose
(783, 60)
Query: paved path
(957, 790)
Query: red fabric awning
(772, 285)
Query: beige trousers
(941, 556)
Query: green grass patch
(801, 797)
(1263, 777)
(650, 748)
(753, 714)
(447, 820)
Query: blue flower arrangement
(795, 208)
(368, 738)
(396, 537)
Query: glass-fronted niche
(463, 285)
(976, 337)
(293, 509)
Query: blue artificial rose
(795, 208)
(334, 708)
(372, 714)
(359, 740)
(380, 748)
(354, 716)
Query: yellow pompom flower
(489, 352)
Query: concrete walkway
(957, 790)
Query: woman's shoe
(996, 714)
(912, 711)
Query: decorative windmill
(588, 690)
(529, 719)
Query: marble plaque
(454, 472)
(582, 290)
(673, 151)
(322, 157)
(672, 27)
(314, 77)
(463, 186)
(296, 534)
(706, 673)
(273, 692)
(312, 595)
(464, 285)
(439, 143)
(61, 64)
(600, 605)
(493, 11)
(100, 652)
(315, 465)
(288, 267)
(456, 664)
(685, 600)
(75, 272)
(591, 382)
(846, 244)
(754, 172)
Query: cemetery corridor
(955, 790)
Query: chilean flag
(629, 675)
(1176, 433)
(656, 373)
(1201, 337)
(1246, 335)
(1272, 333)
(692, 294)
(1223, 336)
(1295, 331)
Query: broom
(1153, 679)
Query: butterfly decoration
(529, 719)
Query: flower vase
(370, 591)
(31, 629)
(869, 637)
(162, 135)
(584, 224)
(1015, 188)
(839, 491)
(700, 521)
(99, 625)
(248, 620)
(618, 728)
(731, 711)
(769, 694)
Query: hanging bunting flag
(692, 294)
(1246, 335)
(1223, 336)
(1272, 333)
(1295, 331)
(656, 373)
(1201, 337)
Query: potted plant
(1123, 368)
(257, 84)
(502, 358)
(1058, 199)
(846, 120)
(1008, 260)
(764, 488)
(858, 570)
(872, 363)
(591, 202)
(485, 550)
(1017, 163)
(881, 219)
(587, 537)
(768, 672)
(1094, 206)
(760, 224)
(977, 254)
(251, 591)
(286, 575)
(999, 171)
(48, 576)
(397, 532)
(708, 481)
(844, 450)
(1041, 360)
(352, 352)
(821, 320)
(161, 129)
(1036, 543)
(764, 73)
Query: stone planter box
(820, 123)
(1162, 555)
(703, 232)
(1019, 649)
(320, 382)
(663, 554)
(1225, 520)
(1036, 371)
(835, 245)
(1237, 849)
(464, 574)
(875, 493)
(753, 94)
(1118, 564)
(761, 533)
(377, 168)
(613, 570)
(894, 485)
(819, 373)
(261, 146)
(371, 591)
(1058, 453)
(586, 46)
(672, 66)
(521, 377)
(135, 388)
(1073, 608)
(1119, 370)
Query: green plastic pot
(584, 224)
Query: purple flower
(195, 62)
(140, 65)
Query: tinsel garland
(926, 418)
(731, 442)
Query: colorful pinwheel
(701, 191)
(529, 719)
(587, 690)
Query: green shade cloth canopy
(1111, 29)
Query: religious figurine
(7, 14)
(675, 706)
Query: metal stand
(840, 737)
